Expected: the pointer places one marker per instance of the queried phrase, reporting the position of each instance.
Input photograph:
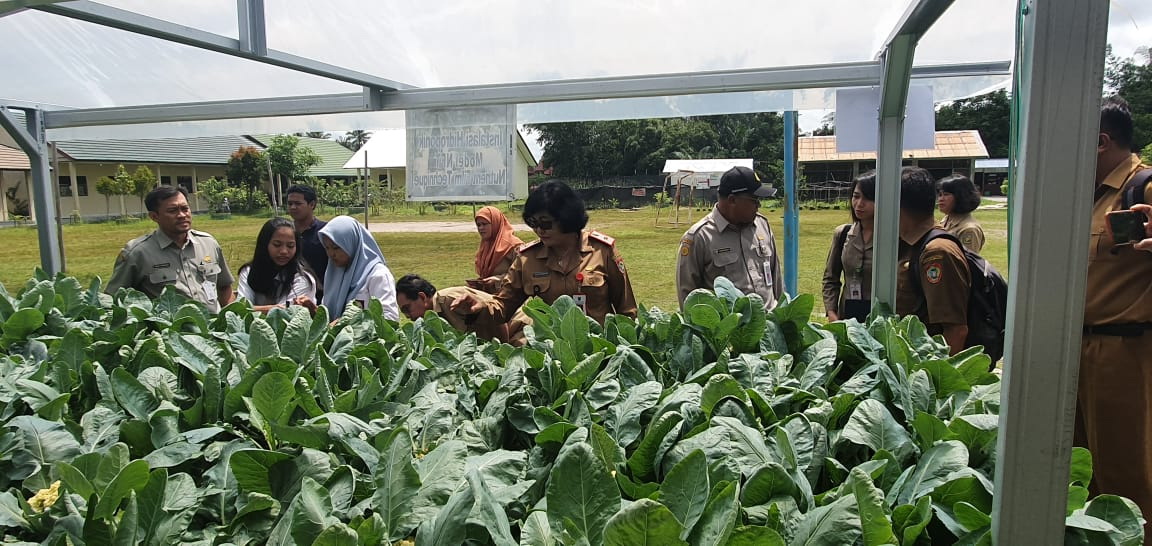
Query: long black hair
(264, 276)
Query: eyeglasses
(534, 223)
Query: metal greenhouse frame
(1059, 69)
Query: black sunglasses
(539, 224)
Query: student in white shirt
(276, 276)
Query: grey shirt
(746, 255)
(151, 262)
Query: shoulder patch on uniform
(602, 238)
(932, 272)
(685, 246)
(526, 246)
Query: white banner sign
(858, 122)
(460, 154)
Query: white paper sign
(460, 154)
(858, 119)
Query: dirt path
(430, 227)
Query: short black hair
(412, 286)
(917, 191)
(307, 191)
(961, 188)
(159, 194)
(1116, 120)
(557, 199)
(866, 183)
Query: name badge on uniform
(855, 289)
(209, 290)
(539, 274)
(581, 301)
(722, 250)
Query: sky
(58, 62)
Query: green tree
(991, 114)
(354, 140)
(1146, 154)
(246, 170)
(1131, 78)
(290, 161)
(143, 180)
(119, 184)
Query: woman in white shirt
(356, 269)
(276, 276)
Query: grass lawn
(649, 249)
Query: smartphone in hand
(1126, 226)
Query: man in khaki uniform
(944, 280)
(732, 241)
(416, 296)
(175, 254)
(1114, 409)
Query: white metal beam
(817, 76)
(1061, 71)
(250, 22)
(917, 19)
(93, 12)
(8, 7)
(32, 140)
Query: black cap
(739, 180)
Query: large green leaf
(685, 490)
(643, 461)
(644, 522)
(718, 519)
(262, 341)
(491, 512)
(909, 521)
(273, 396)
(132, 477)
(766, 483)
(21, 325)
(873, 426)
(581, 494)
(194, 352)
(1081, 468)
(719, 386)
(252, 467)
(933, 469)
(132, 395)
(871, 508)
(1123, 514)
(448, 527)
(42, 443)
(624, 423)
(11, 513)
(833, 525)
(397, 484)
(755, 536)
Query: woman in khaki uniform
(850, 257)
(957, 197)
(566, 260)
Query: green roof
(195, 150)
(333, 156)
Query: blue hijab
(341, 284)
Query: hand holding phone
(1126, 226)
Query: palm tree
(354, 140)
(315, 134)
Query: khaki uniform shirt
(485, 327)
(151, 262)
(603, 281)
(854, 262)
(1119, 277)
(965, 228)
(944, 281)
(745, 255)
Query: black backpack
(1133, 190)
(987, 297)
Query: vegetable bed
(130, 421)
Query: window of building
(65, 183)
(185, 181)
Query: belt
(1129, 329)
